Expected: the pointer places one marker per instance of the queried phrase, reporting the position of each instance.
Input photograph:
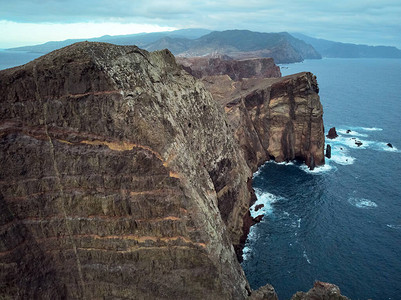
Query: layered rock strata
(121, 176)
(225, 65)
(279, 118)
(120, 179)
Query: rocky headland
(225, 65)
(273, 118)
(123, 178)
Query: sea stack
(328, 151)
(332, 133)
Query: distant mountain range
(139, 39)
(346, 50)
(239, 44)
(283, 47)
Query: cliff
(235, 69)
(119, 173)
(278, 118)
(121, 176)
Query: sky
(29, 22)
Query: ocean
(340, 223)
(9, 59)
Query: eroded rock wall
(120, 178)
(234, 68)
(280, 118)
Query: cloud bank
(368, 22)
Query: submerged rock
(332, 133)
(259, 206)
(348, 131)
(358, 143)
(258, 218)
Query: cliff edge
(115, 163)
(121, 178)
(273, 118)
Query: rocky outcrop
(266, 292)
(328, 151)
(332, 134)
(279, 118)
(120, 179)
(321, 290)
(235, 69)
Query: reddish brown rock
(235, 69)
(320, 290)
(280, 118)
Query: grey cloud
(359, 21)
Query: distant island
(283, 47)
(347, 50)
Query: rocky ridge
(122, 177)
(225, 65)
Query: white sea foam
(318, 170)
(370, 128)
(265, 198)
(394, 226)
(256, 173)
(284, 163)
(381, 146)
(306, 257)
(246, 251)
(340, 155)
(351, 133)
(362, 202)
(252, 236)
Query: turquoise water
(342, 222)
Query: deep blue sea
(342, 222)
(9, 59)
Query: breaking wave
(266, 199)
(362, 202)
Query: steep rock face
(235, 69)
(279, 118)
(120, 178)
(321, 290)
